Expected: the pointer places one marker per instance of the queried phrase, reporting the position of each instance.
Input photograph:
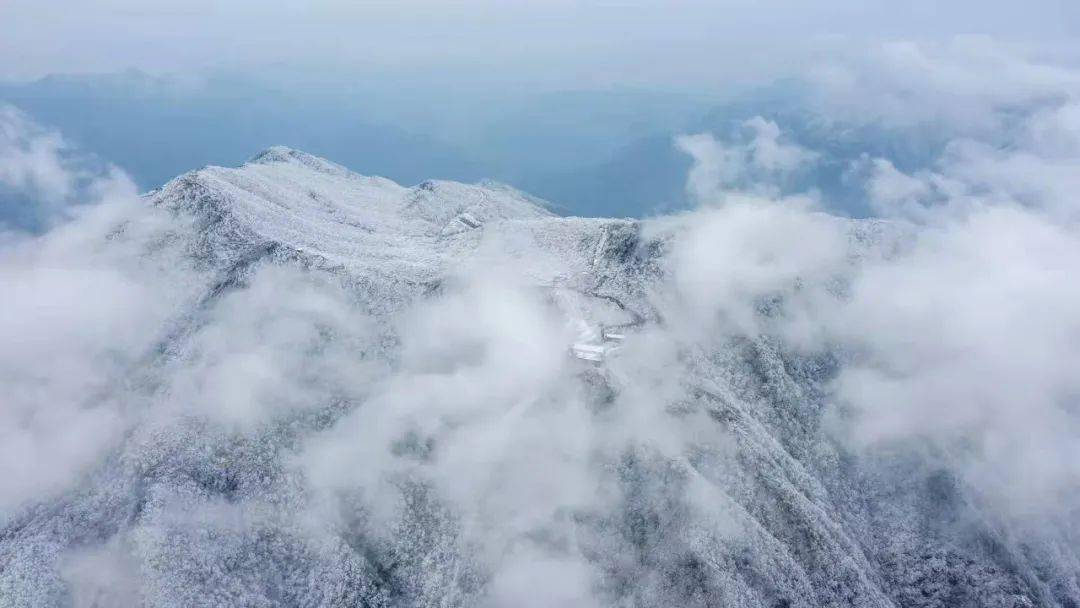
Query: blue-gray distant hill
(591, 153)
(155, 128)
(571, 145)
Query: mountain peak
(285, 154)
(303, 203)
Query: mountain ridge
(362, 393)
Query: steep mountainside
(354, 393)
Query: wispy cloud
(45, 176)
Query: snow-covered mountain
(346, 392)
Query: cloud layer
(961, 329)
(569, 44)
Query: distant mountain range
(601, 153)
(156, 127)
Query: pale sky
(673, 42)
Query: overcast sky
(692, 43)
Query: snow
(295, 272)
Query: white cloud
(40, 166)
(84, 306)
(759, 162)
(76, 316)
(967, 85)
(962, 334)
(31, 158)
(482, 377)
(969, 339)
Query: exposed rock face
(218, 492)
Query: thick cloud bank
(285, 384)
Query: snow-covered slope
(321, 210)
(361, 394)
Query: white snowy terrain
(333, 390)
